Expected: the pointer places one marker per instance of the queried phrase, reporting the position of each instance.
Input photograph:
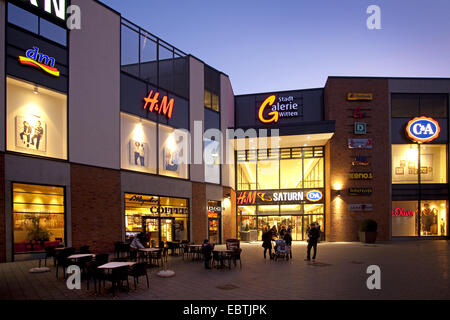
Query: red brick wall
(229, 218)
(2, 210)
(96, 207)
(344, 225)
(199, 213)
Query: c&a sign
(165, 106)
(423, 129)
(272, 109)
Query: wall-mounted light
(36, 90)
(338, 193)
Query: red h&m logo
(165, 107)
(246, 198)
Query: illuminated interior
(275, 170)
(407, 222)
(405, 164)
(38, 217)
(36, 120)
(173, 152)
(214, 221)
(160, 218)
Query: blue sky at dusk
(295, 44)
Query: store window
(246, 175)
(212, 161)
(215, 222)
(159, 218)
(268, 175)
(173, 152)
(38, 217)
(291, 174)
(430, 221)
(36, 120)
(405, 164)
(138, 144)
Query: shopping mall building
(111, 131)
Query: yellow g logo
(269, 102)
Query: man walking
(314, 235)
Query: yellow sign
(360, 96)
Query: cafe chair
(84, 250)
(139, 270)
(117, 277)
(62, 260)
(236, 255)
(50, 252)
(102, 258)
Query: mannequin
(429, 220)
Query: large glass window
(38, 217)
(268, 175)
(408, 105)
(430, 221)
(405, 164)
(36, 120)
(173, 152)
(160, 218)
(138, 143)
(291, 174)
(212, 161)
(246, 175)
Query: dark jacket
(267, 239)
(207, 249)
(288, 239)
(314, 235)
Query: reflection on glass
(246, 176)
(405, 221)
(314, 208)
(291, 172)
(268, 210)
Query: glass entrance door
(167, 229)
(151, 227)
(214, 231)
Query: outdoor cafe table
(115, 265)
(195, 250)
(148, 251)
(223, 253)
(79, 256)
(172, 246)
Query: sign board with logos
(423, 129)
(279, 106)
(401, 212)
(360, 128)
(35, 58)
(360, 161)
(360, 97)
(355, 207)
(360, 191)
(269, 197)
(164, 106)
(360, 176)
(360, 143)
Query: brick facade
(2, 210)
(96, 207)
(199, 213)
(343, 225)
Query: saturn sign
(314, 196)
(423, 129)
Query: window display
(38, 217)
(212, 161)
(173, 152)
(36, 120)
(405, 164)
(138, 143)
(433, 216)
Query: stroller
(281, 250)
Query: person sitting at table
(207, 250)
(136, 243)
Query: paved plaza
(409, 270)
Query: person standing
(313, 235)
(207, 251)
(288, 239)
(267, 242)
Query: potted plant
(368, 231)
(37, 233)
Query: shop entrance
(298, 224)
(158, 229)
(214, 231)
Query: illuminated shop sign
(56, 8)
(360, 97)
(400, 212)
(215, 209)
(360, 175)
(360, 191)
(358, 113)
(255, 197)
(314, 196)
(355, 207)
(36, 59)
(285, 107)
(360, 161)
(143, 200)
(168, 210)
(164, 107)
(360, 128)
(423, 129)
(360, 143)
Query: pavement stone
(409, 270)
